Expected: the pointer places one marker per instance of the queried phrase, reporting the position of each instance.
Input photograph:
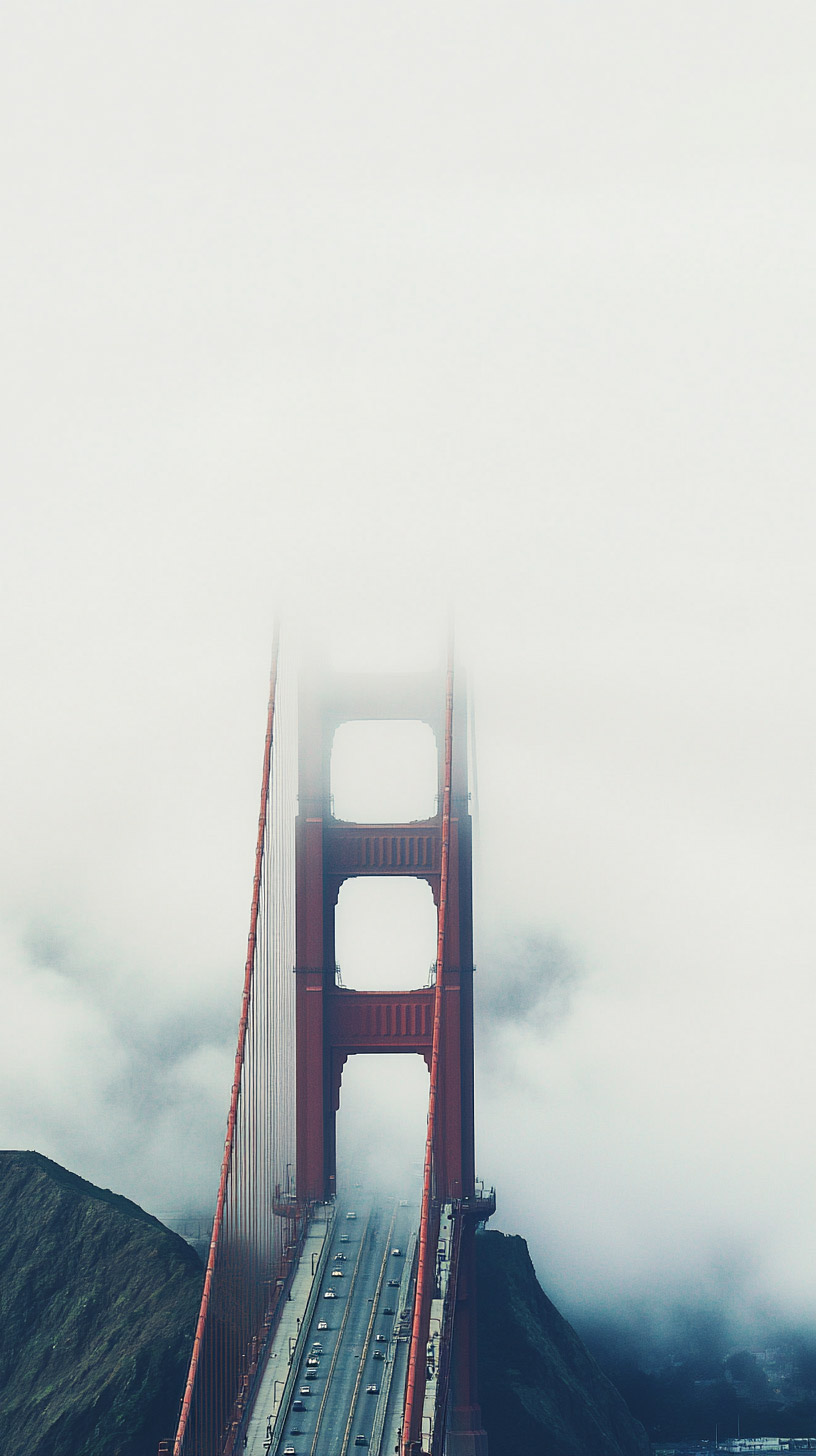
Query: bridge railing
(441, 1329)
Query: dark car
(298, 1405)
(393, 1284)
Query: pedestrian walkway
(284, 1348)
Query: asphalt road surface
(363, 1335)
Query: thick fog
(349, 311)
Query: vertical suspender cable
(416, 1358)
(239, 1062)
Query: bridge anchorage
(325, 1326)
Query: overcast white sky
(344, 307)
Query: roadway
(348, 1391)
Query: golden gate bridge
(273, 1368)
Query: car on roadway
(329, 1294)
(322, 1325)
(396, 1253)
(305, 1390)
(361, 1440)
(393, 1284)
(313, 1360)
(388, 1309)
(381, 1339)
(298, 1405)
(372, 1390)
(311, 1374)
(378, 1355)
(338, 1258)
(288, 1451)
(344, 1238)
(351, 1213)
(337, 1273)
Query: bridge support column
(334, 1023)
(465, 1435)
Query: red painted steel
(416, 1360)
(239, 1060)
(381, 1021)
(382, 849)
(327, 1023)
(255, 1228)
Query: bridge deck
(356, 1340)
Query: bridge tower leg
(333, 1023)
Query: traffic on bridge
(334, 1323)
(344, 1386)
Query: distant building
(747, 1444)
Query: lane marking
(333, 1362)
(367, 1340)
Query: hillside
(541, 1391)
(97, 1310)
(98, 1304)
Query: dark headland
(98, 1302)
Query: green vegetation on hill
(541, 1392)
(98, 1303)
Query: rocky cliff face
(541, 1392)
(98, 1303)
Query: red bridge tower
(333, 1023)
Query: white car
(322, 1325)
(329, 1294)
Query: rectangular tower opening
(381, 1125)
(385, 933)
(384, 772)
